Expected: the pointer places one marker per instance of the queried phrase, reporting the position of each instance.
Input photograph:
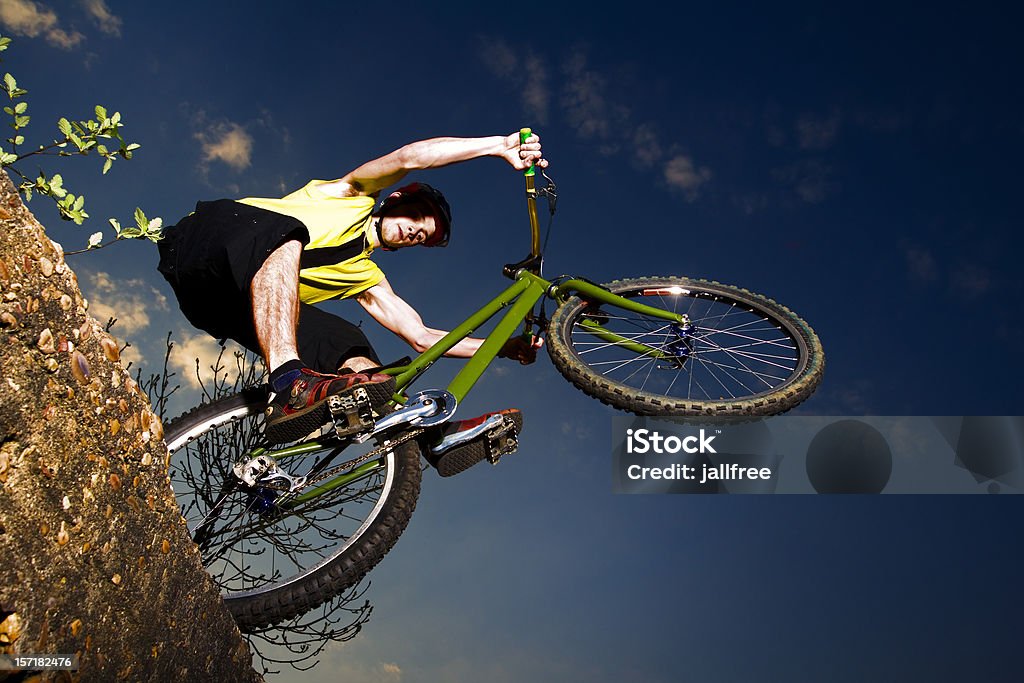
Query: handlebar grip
(525, 133)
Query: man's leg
(358, 364)
(275, 304)
(300, 403)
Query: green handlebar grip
(524, 133)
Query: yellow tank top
(336, 263)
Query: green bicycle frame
(520, 297)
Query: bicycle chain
(355, 462)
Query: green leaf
(19, 139)
(6, 158)
(140, 218)
(64, 126)
(57, 187)
(106, 165)
(101, 113)
(21, 107)
(21, 121)
(115, 225)
(12, 85)
(79, 203)
(155, 227)
(8, 110)
(131, 147)
(4, 42)
(116, 118)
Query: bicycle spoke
(247, 549)
(725, 351)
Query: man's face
(407, 225)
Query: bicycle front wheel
(277, 555)
(736, 353)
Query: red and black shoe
(301, 411)
(466, 442)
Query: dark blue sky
(859, 164)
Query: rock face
(94, 555)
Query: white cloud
(529, 75)
(105, 19)
(970, 281)
(64, 39)
(133, 356)
(499, 57)
(535, 93)
(355, 662)
(194, 356)
(27, 18)
(816, 133)
(585, 101)
(588, 102)
(921, 265)
(228, 143)
(646, 147)
(127, 301)
(810, 179)
(682, 174)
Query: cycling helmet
(423, 193)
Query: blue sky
(856, 163)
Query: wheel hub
(684, 344)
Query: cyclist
(251, 270)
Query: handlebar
(524, 135)
(535, 260)
(531, 202)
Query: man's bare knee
(358, 364)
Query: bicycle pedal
(351, 413)
(501, 440)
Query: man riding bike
(251, 270)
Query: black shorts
(210, 259)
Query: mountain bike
(285, 529)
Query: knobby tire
(748, 356)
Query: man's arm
(374, 176)
(394, 313)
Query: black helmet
(421, 192)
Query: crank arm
(425, 409)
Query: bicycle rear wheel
(740, 354)
(274, 555)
